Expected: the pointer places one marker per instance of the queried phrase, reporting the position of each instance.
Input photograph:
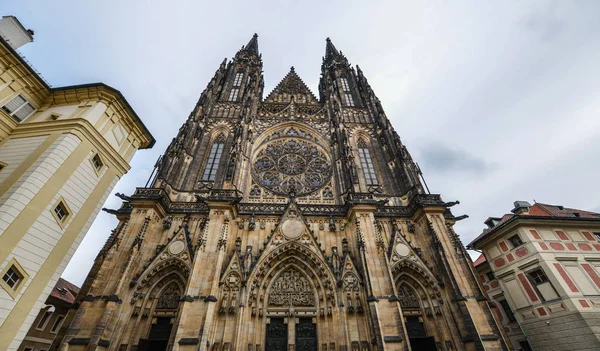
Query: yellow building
(62, 150)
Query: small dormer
(521, 207)
(491, 222)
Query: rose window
(290, 163)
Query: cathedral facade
(280, 223)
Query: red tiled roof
(480, 260)
(540, 210)
(64, 290)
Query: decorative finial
(255, 35)
(327, 39)
(292, 69)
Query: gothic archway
(156, 304)
(421, 303)
(291, 295)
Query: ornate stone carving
(291, 160)
(291, 288)
(407, 297)
(169, 298)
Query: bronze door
(306, 335)
(277, 335)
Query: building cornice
(76, 94)
(519, 220)
(71, 93)
(75, 126)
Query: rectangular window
(490, 276)
(19, 108)
(597, 235)
(233, 94)
(238, 79)
(61, 212)
(349, 101)
(97, 162)
(57, 324)
(367, 166)
(44, 320)
(540, 281)
(210, 172)
(12, 277)
(515, 240)
(507, 311)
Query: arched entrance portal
(291, 312)
(413, 316)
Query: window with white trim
(44, 320)
(212, 165)
(18, 108)
(515, 240)
(238, 79)
(233, 94)
(542, 284)
(57, 324)
(367, 163)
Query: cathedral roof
(290, 85)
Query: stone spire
(330, 50)
(252, 45)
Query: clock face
(291, 160)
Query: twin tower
(285, 222)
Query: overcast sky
(496, 103)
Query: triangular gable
(232, 275)
(291, 85)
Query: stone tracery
(292, 160)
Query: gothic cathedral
(285, 222)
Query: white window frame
(15, 111)
(43, 327)
(56, 327)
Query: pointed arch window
(212, 165)
(233, 94)
(367, 163)
(238, 79)
(348, 99)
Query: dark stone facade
(289, 218)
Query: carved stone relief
(291, 288)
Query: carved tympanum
(169, 300)
(291, 288)
(407, 297)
